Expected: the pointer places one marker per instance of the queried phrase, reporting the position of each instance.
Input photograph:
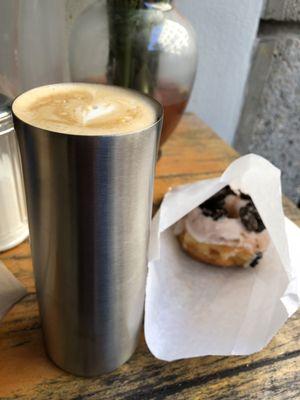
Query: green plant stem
(131, 63)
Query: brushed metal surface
(89, 202)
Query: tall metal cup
(89, 202)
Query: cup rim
(157, 106)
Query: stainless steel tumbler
(89, 202)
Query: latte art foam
(85, 109)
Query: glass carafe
(143, 45)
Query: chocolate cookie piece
(215, 214)
(214, 207)
(226, 191)
(256, 260)
(244, 196)
(251, 219)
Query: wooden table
(194, 152)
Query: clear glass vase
(143, 45)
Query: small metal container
(13, 218)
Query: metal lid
(6, 124)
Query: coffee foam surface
(85, 109)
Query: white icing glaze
(226, 231)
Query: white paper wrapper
(193, 309)
(11, 290)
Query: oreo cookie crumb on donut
(214, 207)
(250, 218)
(256, 260)
(244, 196)
(215, 214)
(226, 230)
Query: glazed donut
(226, 230)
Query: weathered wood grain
(194, 152)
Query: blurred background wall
(32, 50)
(226, 31)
